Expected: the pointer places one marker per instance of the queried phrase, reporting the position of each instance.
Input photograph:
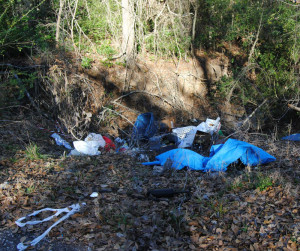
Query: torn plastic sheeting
(224, 155)
(144, 126)
(60, 141)
(221, 156)
(293, 137)
(74, 209)
(180, 158)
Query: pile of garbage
(202, 147)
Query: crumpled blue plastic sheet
(144, 126)
(221, 156)
(293, 137)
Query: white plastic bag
(182, 131)
(90, 145)
(187, 134)
(210, 126)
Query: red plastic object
(109, 144)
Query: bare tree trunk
(128, 41)
(61, 5)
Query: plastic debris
(202, 141)
(182, 131)
(61, 142)
(163, 143)
(144, 126)
(90, 145)
(94, 195)
(143, 157)
(167, 124)
(155, 143)
(293, 137)
(119, 141)
(74, 209)
(180, 158)
(210, 126)
(74, 152)
(123, 148)
(109, 145)
(187, 134)
(221, 156)
(224, 154)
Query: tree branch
(294, 107)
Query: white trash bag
(210, 126)
(90, 145)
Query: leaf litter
(242, 209)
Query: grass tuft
(32, 152)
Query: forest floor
(241, 209)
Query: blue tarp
(293, 137)
(221, 156)
(144, 126)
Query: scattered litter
(90, 145)
(119, 141)
(182, 131)
(293, 137)
(94, 195)
(61, 142)
(144, 126)
(143, 157)
(221, 156)
(74, 152)
(74, 209)
(122, 148)
(109, 144)
(202, 142)
(187, 134)
(210, 126)
(180, 158)
(163, 143)
(155, 143)
(167, 124)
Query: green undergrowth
(32, 152)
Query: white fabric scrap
(74, 209)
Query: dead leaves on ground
(220, 215)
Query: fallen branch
(252, 114)
(294, 107)
(125, 107)
(122, 116)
